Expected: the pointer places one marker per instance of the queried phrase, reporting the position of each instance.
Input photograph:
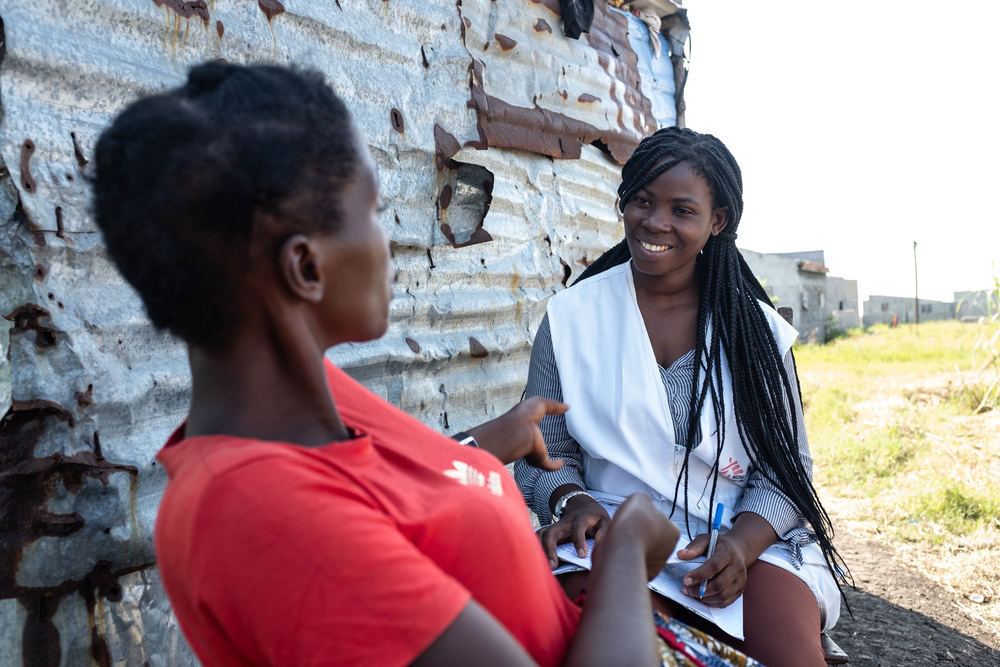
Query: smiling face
(670, 219)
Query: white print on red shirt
(466, 475)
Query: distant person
(683, 386)
(306, 521)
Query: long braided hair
(730, 299)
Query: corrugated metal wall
(484, 107)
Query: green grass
(910, 348)
(956, 507)
(884, 412)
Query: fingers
(537, 407)
(548, 464)
(550, 537)
(721, 590)
(710, 568)
(538, 457)
(697, 547)
(579, 533)
(724, 577)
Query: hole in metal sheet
(464, 202)
(396, 116)
(567, 272)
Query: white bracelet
(560, 507)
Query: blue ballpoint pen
(716, 524)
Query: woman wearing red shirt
(306, 521)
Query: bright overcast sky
(860, 128)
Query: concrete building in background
(973, 305)
(880, 309)
(800, 281)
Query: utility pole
(916, 293)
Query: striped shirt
(760, 497)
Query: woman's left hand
(515, 434)
(726, 570)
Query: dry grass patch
(900, 456)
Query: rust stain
(552, 5)
(396, 118)
(38, 239)
(27, 180)
(85, 399)
(271, 8)
(414, 345)
(219, 28)
(40, 637)
(78, 152)
(185, 9)
(26, 318)
(477, 350)
(541, 25)
(538, 130)
(445, 147)
(587, 97)
(480, 235)
(505, 42)
(466, 22)
(445, 199)
(26, 482)
(609, 37)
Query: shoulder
(610, 282)
(363, 410)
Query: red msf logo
(732, 469)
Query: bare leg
(780, 619)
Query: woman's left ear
(720, 218)
(300, 265)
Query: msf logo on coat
(733, 471)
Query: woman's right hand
(638, 520)
(583, 517)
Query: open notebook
(668, 582)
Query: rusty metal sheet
(483, 230)
(537, 90)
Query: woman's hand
(515, 434)
(726, 570)
(583, 517)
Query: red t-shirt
(354, 553)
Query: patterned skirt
(682, 646)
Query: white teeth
(654, 248)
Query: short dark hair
(185, 179)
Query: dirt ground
(903, 618)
